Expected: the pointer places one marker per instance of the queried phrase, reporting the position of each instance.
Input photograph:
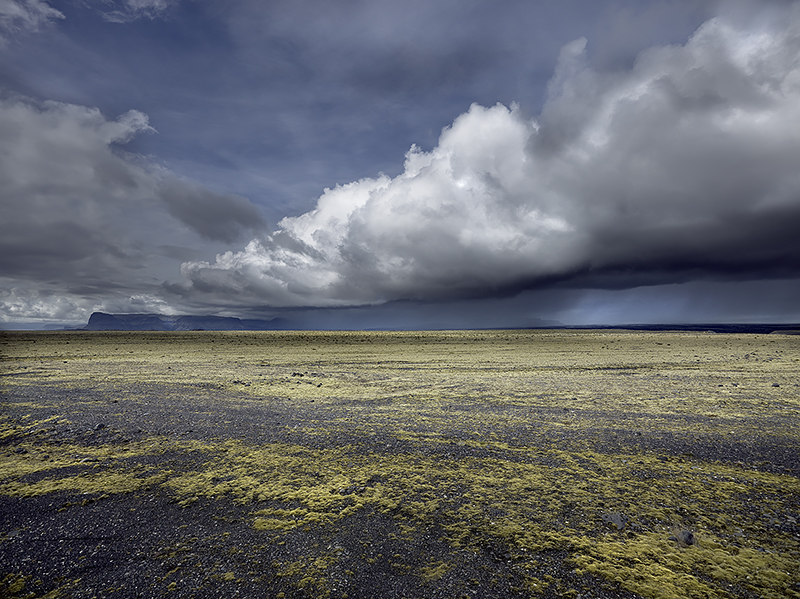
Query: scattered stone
(99, 426)
(684, 538)
(775, 385)
(615, 519)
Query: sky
(414, 164)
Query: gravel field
(441, 464)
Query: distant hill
(341, 320)
(100, 321)
(757, 329)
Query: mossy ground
(491, 463)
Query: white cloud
(27, 15)
(24, 305)
(459, 216)
(686, 163)
(124, 11)
(20, 304)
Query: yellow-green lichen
(435, 571)
(17, 586)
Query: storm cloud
(683, 166)
(79, 210)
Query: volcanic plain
(535, 463)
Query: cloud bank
(684, 166)
(81, 216)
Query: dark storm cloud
(682, 166)
(61, 185)
(213, 216)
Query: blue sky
(452, 163)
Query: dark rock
(615, 519)
(684, 538)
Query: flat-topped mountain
(333, 320)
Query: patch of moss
(307, 573)
(653, 567)
(14, 586)
(435, 571)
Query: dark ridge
(756, 329)
(100, 321)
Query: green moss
(653, 567)
(435, 571)
(14, 586)
(87, 469)
(308, 574)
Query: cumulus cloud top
(683, 165)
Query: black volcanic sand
(453, 464)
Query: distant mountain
(755, 329)
(100, 321)
(377, 320)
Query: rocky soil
(285, 475)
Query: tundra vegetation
(553, 463)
